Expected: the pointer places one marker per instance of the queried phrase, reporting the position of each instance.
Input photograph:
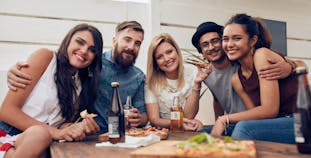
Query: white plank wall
(28, 25)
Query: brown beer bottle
(302, 112)
(177, 116)
(116, 128)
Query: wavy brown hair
(88, 76)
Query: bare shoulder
(41, 54)
(262, 56)
(265, 53)
(38, 62)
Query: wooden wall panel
(181, 35)
(3, 85)
(11, 53)
(50, 31)
(90, 10)
(188, 14)
(299, 48)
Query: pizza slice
(84, 114)
(204, 144)
(163, 133)
(197, 63)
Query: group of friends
(253, 87)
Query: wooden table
(87, 149)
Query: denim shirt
(131, 81)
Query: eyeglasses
(213, 42)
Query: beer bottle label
(175, 115)
(126, 112)
(297, 126)
(113, 127)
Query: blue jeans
(229, 128)
(9, 129)
(279, 130)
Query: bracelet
(227, 119)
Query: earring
(89, 72)
(252, 51)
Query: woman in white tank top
(63, 84)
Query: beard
(125, 62)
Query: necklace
(172, 88)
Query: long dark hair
(253, 27)
(88, 76)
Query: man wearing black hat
(207, 40)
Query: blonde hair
(156, 79)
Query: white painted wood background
(28, 25)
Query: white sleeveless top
(42, 103)
(166, 95)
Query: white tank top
(42, 103)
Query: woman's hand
(60, 134)
(77, 131)
(72, 132)
(90, 125)
(219, 126)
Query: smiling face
(81, 49)
(210, 44)
(167, 59)
(126, 47)
(236, 42)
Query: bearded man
(117, 66)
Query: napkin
(133, 142)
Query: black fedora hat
(204, 28)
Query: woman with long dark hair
(269, 102)
(63, 84)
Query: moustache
(131, 52)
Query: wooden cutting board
(162, 149)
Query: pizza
(197, 63)
(163, 133)
(203, 145)
(84, 114)
(139, 132)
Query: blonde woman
(168, 77)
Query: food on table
(84, 114)
(163, 133)
(139, 132)
(204, 144)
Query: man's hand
(135, 117)
(277, 70)
(16, 78)
(192, 125)
(203, 73)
